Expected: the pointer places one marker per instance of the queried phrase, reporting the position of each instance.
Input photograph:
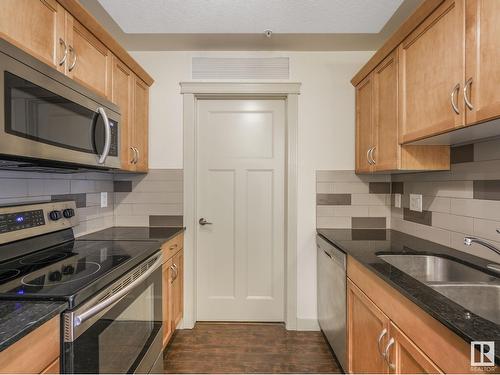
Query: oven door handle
(96, 309)
(107, 135)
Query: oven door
(118, 332)
(48, 117)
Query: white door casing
(192, 93)
(240, 191)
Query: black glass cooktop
(72, 271)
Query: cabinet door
(482, 59)
(432, 72)
(121, 95)
(367, 333)
(35, 26)
(406, 358)
(385, 109)
(178, 289)
(89, 61)
(140, 124)
(167, 300)
(364, 124)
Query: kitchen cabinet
(367, 333)
(37, 352)
(377, 144)
(139, 127)
(432, 72)
(172, 286)
(89, 61)
(481, 62)
(415, 342)
(38, 27)
(364, 124)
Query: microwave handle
(107, 135)
(96, 309)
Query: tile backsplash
(459, 202)
(347, 200)
(133, 199)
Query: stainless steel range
(113, 323)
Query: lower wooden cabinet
(38, 352)
(173, 286)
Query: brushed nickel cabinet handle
(371, 155)
(454, 105)
(387, 353)
(63, 43)
(133, 157)
(73, 64)
(468, 84)
(173, 247)
(380, 337)
(138, 155)
(368, 156)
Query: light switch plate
(416, 202)
(104, 199)
(397, 200)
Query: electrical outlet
(416, 202)
(397, 200)
(104, 199)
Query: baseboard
(307, 324)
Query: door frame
(194, 91)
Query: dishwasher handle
(338, 256)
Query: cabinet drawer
(34, 353)
(171, 247)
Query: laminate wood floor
(216, 348)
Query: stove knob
(68, 213)
(55, 215)
(68, 270)
(55, 276)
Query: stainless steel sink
(472, 289)
(429, 268)
(481, 299)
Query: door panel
(364, 124)
(167, 300)
(35, 26)
(385, 126)
(483, 55)
(240, 257)
(431, 65)
(366, 322)
(140, 124)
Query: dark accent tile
(424, 217)
(462, 154)
(80, 199)
(333, 199)
(166, 220)
(122, 186)
(487, 189)
(397, 188)
(380, 187)
(368, 222)
(368, 234)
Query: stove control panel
(28, 220)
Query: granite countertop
(365, 244)
(160, 234)
(18, 318)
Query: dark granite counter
(160, 234)
(18, 318)
(365, 244)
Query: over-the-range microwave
(47, 119)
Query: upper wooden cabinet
(482, 65)
(37, 26)
(139, 127)
(377, 146)
(432, 73)
(89, 61)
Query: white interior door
(240, 191)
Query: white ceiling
(251, 16)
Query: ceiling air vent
(241, 68)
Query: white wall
(326, 133)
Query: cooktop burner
(71, 271)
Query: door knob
(204, 221)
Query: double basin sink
(476, 291)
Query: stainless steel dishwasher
(332, 304)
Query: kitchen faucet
(468, 241)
